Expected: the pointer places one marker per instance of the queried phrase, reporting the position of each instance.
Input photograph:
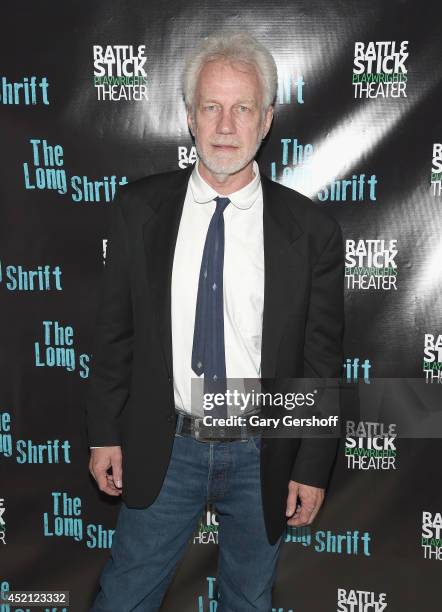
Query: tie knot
(221, 203)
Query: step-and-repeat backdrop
(90, 99)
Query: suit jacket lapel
(160, 233)
(281, 262)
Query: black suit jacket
(130, 398)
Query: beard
(225, 164)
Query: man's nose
(226, 124)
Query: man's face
(228, 122)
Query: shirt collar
(243, 198)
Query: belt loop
(244, 431)
(179, 422)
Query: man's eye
(243, 108)
(210, 107)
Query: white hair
(239, 46)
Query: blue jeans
(149, 542)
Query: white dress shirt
(243, 281)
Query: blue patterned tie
(208, 352)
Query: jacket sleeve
(323, 354)
(111, 363)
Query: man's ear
(268, 117)
(190, 122)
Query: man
(212, 272)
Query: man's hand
(311, 499)
(101, 460)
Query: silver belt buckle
(199, 435)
